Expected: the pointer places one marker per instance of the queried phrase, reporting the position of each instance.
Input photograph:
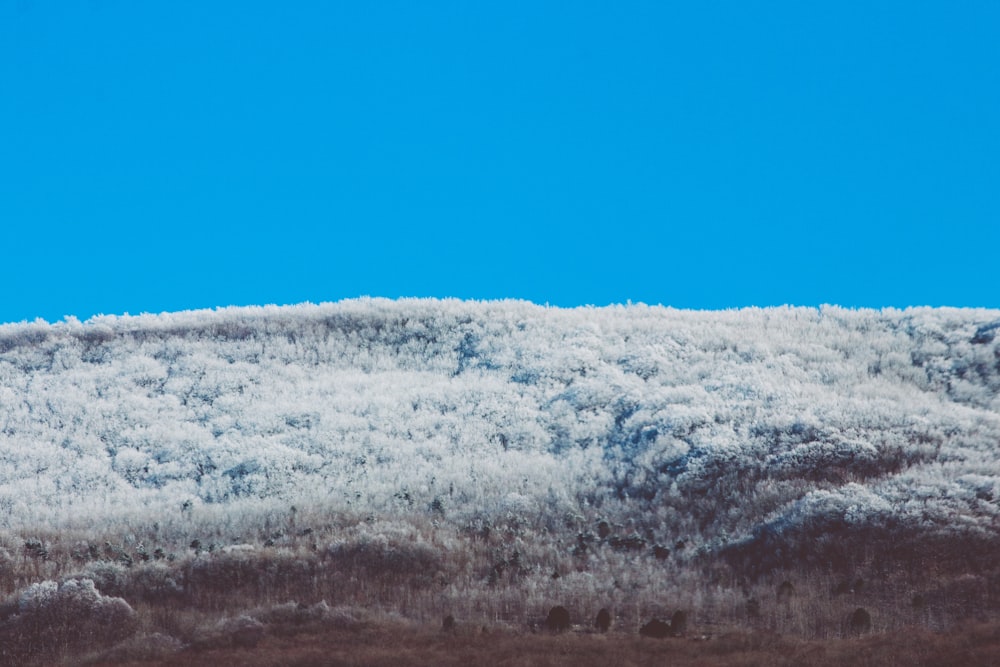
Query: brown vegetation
(603, 621)
(656, 629)
(558, 619)
(351, 574)
(395, 644)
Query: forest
(215, 479)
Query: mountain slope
(726, 428)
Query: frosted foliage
(51, 615)
(507, 408)
(38, 596)
(74, 598)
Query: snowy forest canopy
(723, 428)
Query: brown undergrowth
(387, 643)
(379, 589)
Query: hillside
(551, 445)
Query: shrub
(221, 572)
(156, 583)
(558, 619)
(380, 556)
(656, 629)
(292, 613)
(109, 578)
(859, 622)
(243, 631)
(51, 617)
(603, 620)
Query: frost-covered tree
(716, 427)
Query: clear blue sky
(179, 154)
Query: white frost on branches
(505, 407)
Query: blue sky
(172, 155)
